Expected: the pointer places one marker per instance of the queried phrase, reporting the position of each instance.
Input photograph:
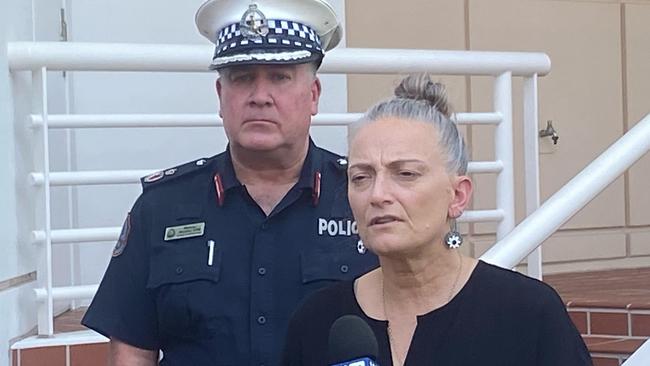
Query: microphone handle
(365, 361)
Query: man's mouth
(260, 119)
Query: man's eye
(280, 77)
(241, 78)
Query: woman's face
(399, 189)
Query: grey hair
(418, 98)
(224, 72)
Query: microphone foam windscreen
(351, 338)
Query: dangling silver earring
(361, 249)
(453, 237)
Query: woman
(427, 304)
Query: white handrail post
(505, 189)
(39, 106)
(531, 165)
(641, 357)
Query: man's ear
(462, 190)
(217, 86)
(316, 90)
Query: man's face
(268, 107)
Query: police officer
(217, 253)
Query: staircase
(65, 349)
(611, 309)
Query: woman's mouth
(382, 220)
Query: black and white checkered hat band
(286, 41)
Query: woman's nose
(380, 193)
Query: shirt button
(265, 226)
(344, 268)
(179, 270)
(261, 271)
(261, 320)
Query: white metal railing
(640, 357)
(56, 121)
(133, 176)
(91, 235)
(79, 56)
(42, 57)
(573, 196)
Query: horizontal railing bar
(481, 216)
(210, 120)
(483, 167)
(96, 177)
(91, 177)
(80, 56)
(65, 236)
(71, 338)
(67, 293)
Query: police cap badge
(268, 31)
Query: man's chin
(260, 144)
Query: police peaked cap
(268, 31)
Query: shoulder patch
(169, 174)
(124, 237)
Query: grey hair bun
(420, 87)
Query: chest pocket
(183, 260)
(334, 261)
(186, 287)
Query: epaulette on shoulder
(167, 175)
(341, 163)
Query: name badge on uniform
(184, 231)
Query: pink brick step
(611, 309)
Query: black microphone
(352, 343)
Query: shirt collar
(312, 165)
(223, 166)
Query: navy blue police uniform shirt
(201, 273)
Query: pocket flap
(183, 261)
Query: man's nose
(261, 93)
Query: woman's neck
(419, 285)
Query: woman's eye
(408, 174)
(358, 178)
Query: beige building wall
(599, 86)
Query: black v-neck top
(500, 317)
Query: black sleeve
(559, 342)
(292, 352)
(306, 343)
(123, 307)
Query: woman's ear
(462, 187)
